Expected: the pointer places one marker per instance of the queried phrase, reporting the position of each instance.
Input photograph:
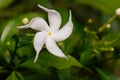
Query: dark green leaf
(20, 76)
(12, 76)
(47, 59)
(85, 56)
(60, 63)
(103, 76)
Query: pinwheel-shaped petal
(49, 34)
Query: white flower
(49, 34)
(118, 11)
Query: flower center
(49, 33)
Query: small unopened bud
(25, 20)
(112, 49)
(86, 29)
(118, 12)
(108, 26)
(90, 20)
(8, 43)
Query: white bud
(25, 20)
(118, 11)
(108, 26)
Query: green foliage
(9, 31)
(108, 6)
(59, 63)
(102, 74)
(93, 48)
(5, 3)
(12, 76)
(47, 59)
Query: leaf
(60, 63)
(85, 56)
(28, 63)
(44, 2)
(5, 3)
(11, 27)
(89, 43)
(108, 6)
(48, 59)
(8, 31)
(20, 76)
(103, 76)
(12, 76)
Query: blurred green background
(93, 53)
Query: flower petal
(54, 18)
(36, 23)
(53, 48)
(39, 41)
(65, 32)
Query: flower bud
(8, 43)
(118, 12)
(112, 49)
(108, 26)
(90, 20)
(86, 29)
(25, 20)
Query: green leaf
(85, 56)
(5, 3)
(104, 5)
(11, 27)
(20, 76)
(48, 59)
(89, 43)
(44, 2)
(60, 63)
(12, 76)
(103, 76)
(8, 31)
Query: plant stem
(102, 28)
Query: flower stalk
(104, 26)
